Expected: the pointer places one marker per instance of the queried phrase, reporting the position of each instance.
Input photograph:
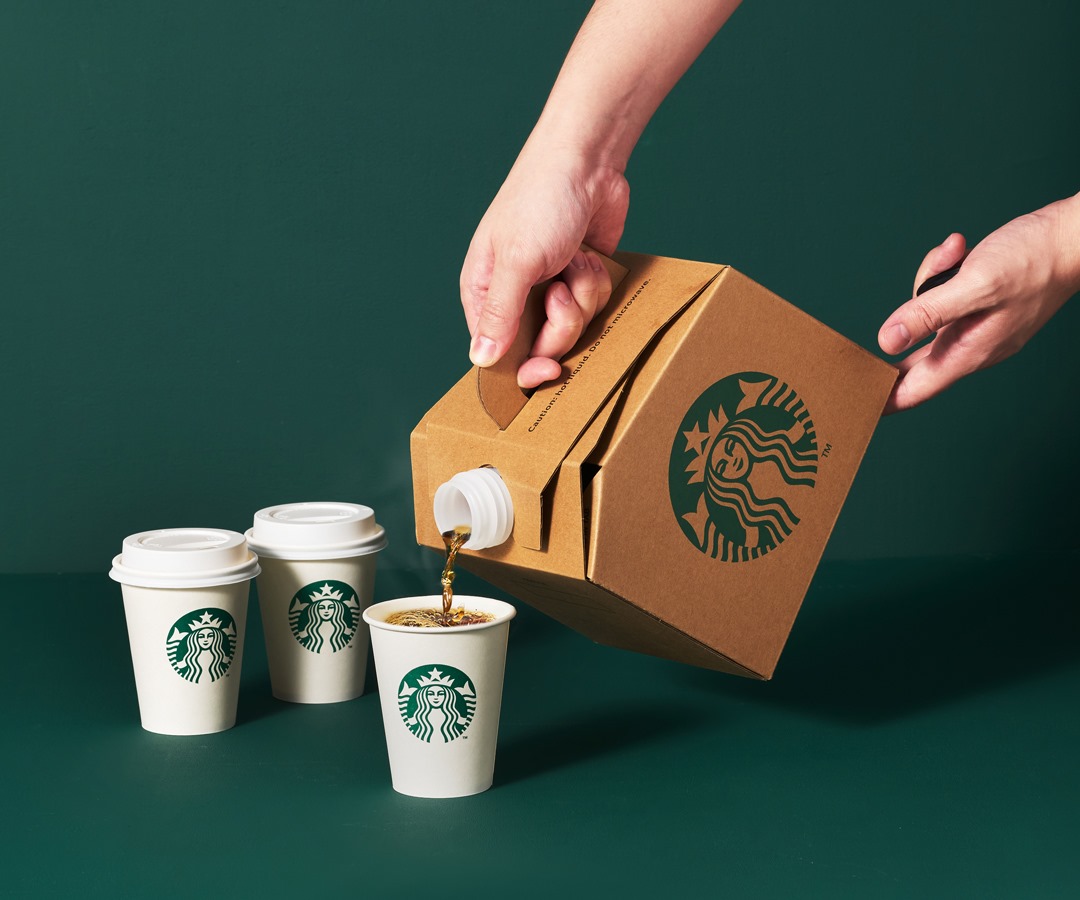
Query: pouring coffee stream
(455, 539)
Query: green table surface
(920, 739)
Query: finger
(933, 368)
(603, 282)
(536, 370)
(474, 280)
(584, 283)
(564, 325)
(589, 286)
(512, 277)
(928, 313)
(892, 405)
(946, 255)
(589, 283)
(915, 357)
(897, 334)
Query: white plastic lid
(184, 558)
(316, 531)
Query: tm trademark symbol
(825, 452)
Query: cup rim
(347, 550)
(245, 571)
(502, 611)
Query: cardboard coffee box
(674, 490)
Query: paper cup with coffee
(318, 576)
(185, 599)
(440, 690)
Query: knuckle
(474, 282)
(470, 287)
(566, 318)
(497, 313)
(563, 330)
(520, 256)
(583, 295)
(929, 316)
(988, 285)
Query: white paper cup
(440, 690)
(318, 576)
(185, 600)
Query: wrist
(594, 138)
(589, 167)
(1066, 232)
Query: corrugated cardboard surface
(638, 548)
(600, 615)
(595, 466)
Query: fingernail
(482, 351)
(563, 296)
(898, 336)
(578, 262)
(594, 261)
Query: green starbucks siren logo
(744, 455)
(201, 645)
(323, 616)
(436, 703)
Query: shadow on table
(589, 735)
(880, 640)
(256, 700)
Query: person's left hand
(1010, 284)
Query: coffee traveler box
(675, 488)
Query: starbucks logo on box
(201, 645)
(745, 452)
(323, 617)
(436, 703)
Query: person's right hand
(550, 203)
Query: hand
(550, 203)
(1008, 288)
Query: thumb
(929, 312)
(497, 323)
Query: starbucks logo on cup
(323, 616)
(201, 645)
(436, 703)
(743, 458)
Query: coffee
(436, 618)
(455, 539)
(447, 617)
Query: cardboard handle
(497, 385)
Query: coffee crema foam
(436, 618)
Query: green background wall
(230, 235)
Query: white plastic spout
(479, 499)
